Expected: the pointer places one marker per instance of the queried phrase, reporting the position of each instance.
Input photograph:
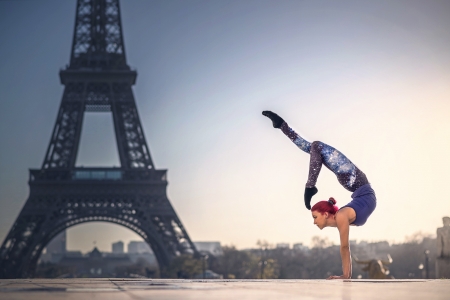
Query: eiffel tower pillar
(62, 195)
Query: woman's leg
(295, 138)
(348, 175)
(314, 150)
(315, 163)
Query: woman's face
(320, 220)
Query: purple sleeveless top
(364, 203)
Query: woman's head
(322, 210)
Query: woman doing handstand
(326, 213)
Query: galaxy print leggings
(348, 175)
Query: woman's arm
(343, 226)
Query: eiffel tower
(62, 195)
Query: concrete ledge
(167, 289)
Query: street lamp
(205, 257)
(420, 267)
(427, 259)
(262, 263)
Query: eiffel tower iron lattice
(62, 195)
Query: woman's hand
(338, 277)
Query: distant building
(150, 258)
(212, 248)
(94, 264)
(139, 247)
(73, 254)
(283, 246)
(300, 247)
(117, 247)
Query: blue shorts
(363, 202)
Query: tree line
(413, 259)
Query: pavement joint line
(125, 291)
(118, 287)
(385, 280)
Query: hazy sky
(371, 78)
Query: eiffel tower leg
(133, 150)
(62, 150)
(20, 244)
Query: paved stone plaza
(167, 289)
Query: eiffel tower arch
(62, 195)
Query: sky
(370, 78)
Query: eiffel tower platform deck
(167, 289)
